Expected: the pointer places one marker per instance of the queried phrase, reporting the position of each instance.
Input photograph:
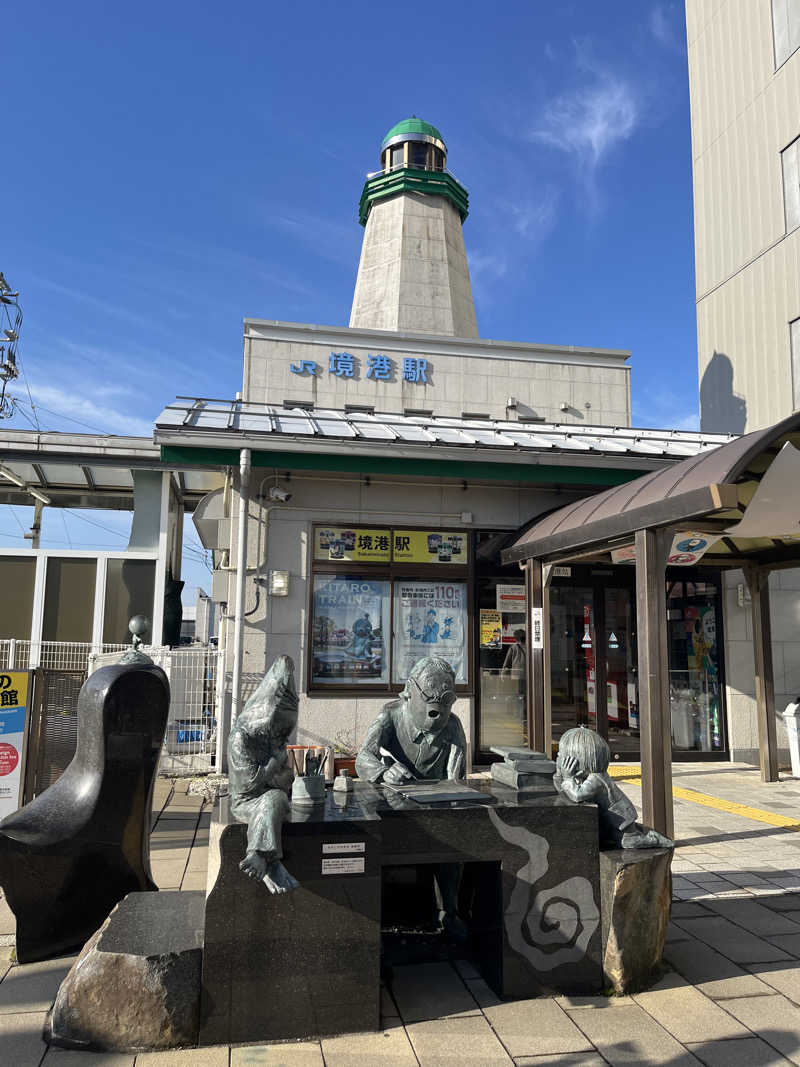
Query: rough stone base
(136, 984)
(636, 896)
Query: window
(790, 160)
(785, 28)
(130, 584)
(69, 599)
(17, 575)
(381, 600)
(418, 154)
(794, 347)
(397, 156)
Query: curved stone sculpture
(68, 857)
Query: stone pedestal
(136, 984)
(636, 897)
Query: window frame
(389, 572)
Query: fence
(59, 670)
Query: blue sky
(172, 168)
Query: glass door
(620, 658)
(502, 662)
(573, 644)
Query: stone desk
(308, 963)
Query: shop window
(785, 28)
(17, 576)
(69, 599)
(130, 584)
(384, 598)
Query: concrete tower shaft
(413, 273)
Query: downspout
(245, 458)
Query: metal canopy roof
(237, 424)
(710, 491)
(85, 470)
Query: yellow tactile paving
(730, 806)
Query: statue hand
(396, 774)
(569, 766)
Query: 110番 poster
(430, 619)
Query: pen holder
(308, 789)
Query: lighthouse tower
(413, 274)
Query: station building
(374, 473)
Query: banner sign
(537, 627)
(429, 546)
(351, 617)
(687, 548)
(13, 720)
(356, 545)
(491, 628)
(430, 619)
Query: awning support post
(653, 664)
(245, 460)
(538, 733)
(757, 579)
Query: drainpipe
(241, 569)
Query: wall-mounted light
(278, 583)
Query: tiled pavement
(731, 995)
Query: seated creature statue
(417, 738)
(583, 758)
(260, 776)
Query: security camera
(283, 495)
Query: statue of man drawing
(260, 776)
(417, 737)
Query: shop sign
(537, 627)
(624, 555)
(491, 628)
(688, 547)
(379, 368)
(13, 715)
(430, 619)
(352, 544)
(429, 546)
(511, 598)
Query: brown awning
(713, 487)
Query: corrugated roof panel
(112, 477)
(411, 433)
(529, 440)
(493, 438)
(293, 421)
(450, 436)
(332, 424)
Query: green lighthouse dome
(413, 129)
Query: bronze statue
(583, 758)
(260, 775)
(416, 736)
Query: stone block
(636, 894)
(136, 984)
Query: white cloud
(534, 219)
(591, 120)
(94, 412)
(664, 410)
(663, 28)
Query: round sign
(9, 758)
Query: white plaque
(537, 627)
(343, 865)
(333, 847)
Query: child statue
(583, 758)
(260, 775)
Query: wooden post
(758, 582)
(535, 685)
(654, 708)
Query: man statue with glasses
(417, 738)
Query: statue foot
(254, 865)
(277, 879)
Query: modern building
(744, 80)
(374, 473)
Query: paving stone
(211, 1056)
(429, 991)
(62, 1057)
(391, 1047)
(33, 986)
(629, 1035)
(535, 1028)
(753, 916)
(744, 1052)
(21, 1042)
(731, 940)
(8, 923)
(774, 1018)
(788, 942)
(291, 1054)
(786, 979)
(463, 1041)
(787, 902)
(569, 1059)
(573, 1003)
(484, 996)
(685, 909)
(686, 1013)
(713, 974)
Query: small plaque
(343, 865)
(333, 847)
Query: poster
(13, 713)
(429, 546)
(491, 628)
(351, 621)
(352, 544)
(511, 598)
(688, 548)
(430, 619)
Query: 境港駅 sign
(377, 367)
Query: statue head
(588, 748)
(272, 709)
(430, 693)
